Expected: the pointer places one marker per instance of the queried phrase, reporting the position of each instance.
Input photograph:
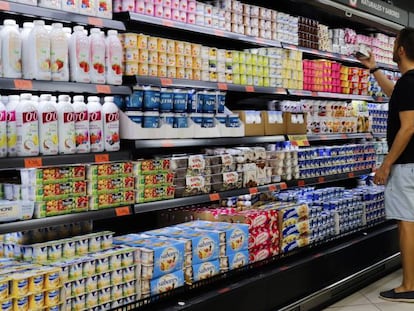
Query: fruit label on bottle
(82, 55)
(27, 134)
(15, 55)
(95, 131)
(82, 131)
(98, 63)
(70, 5)
(59, 59)
(43, 58)
(11, 133)
(48, 132)
(3, 133)
(111, 131)
(67, 138)
(115, 65)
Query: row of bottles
(58, 54)
(32, 125)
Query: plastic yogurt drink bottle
(39, 61)
(97, 53)
(59, 53)
(48, 126)
(11, 49)
(27, 127)
(111, 124)
(114, 56)
(26, 50)
(11, 125)
(3, 130)
(95, 124)
(81, 125)
(79, 57)
(66, 125)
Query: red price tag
(222, 86)
(321, 179)
(166, 81)
(23, 84)
(260, 40)
(167, 23)
(122, 211)
(4, 6)
(351, 175)
(315, 94)
(106, 89)
(314, 51)
(344, 136)
(95, 21)
(100, 158)
(33, 162)
(280, 90)
(301, 183)
(167, 143)
(253, 190)
(219, 33)
(215, 197)
(283, 186)
(249, 88)
(324, 137)
(272, 188)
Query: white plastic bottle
(111, 124)
(79, 57)
(59, 53)
(27, 50)
(114, 55)
(66, 125)
(11, 125)
(97, 48)
(83, 144)
(27, 127)
(48, 126)
(95, 124)
(39, 44)
(3, 130)
(11, 49)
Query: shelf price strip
(299, 140)
(4, 6)
(122, 211)
(95, 21)
(214, 197)
(253, 190)
(100, 158)
(33, 162)
(23, 84)
(105, 89)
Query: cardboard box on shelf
(251, 129)
(274, 122)
(295, 123)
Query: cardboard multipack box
(296, 123)
(274, 122)
(251, 127)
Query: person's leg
(406, 232)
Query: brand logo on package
(95, 116)
(168, 259)
(237, 239)
(68, 117)
(81, 116)
(239, 260)
(49, 116)
(167, 283)
(206, 270)
(379, 8)
(205, 248)
(30, 116)
(112, 117)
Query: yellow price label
(299, 140)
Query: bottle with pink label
(97, 53)
(59, 53)
(11, 49)
(79, 57)
(48, 126)
(11, 125)
(27, 127)
(81, 125)
(3, 130)
(95, 124)
(114, 56)
(66, 125)
(39, 42)
(111, 124)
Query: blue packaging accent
(222, 118)
(197, 118)
(221, 102)
(167, 118)
(166, 100)
(208, 121)
(151, 120)
(180, 101)
(167, 282)
(206, 270)
(134, 102)
(151, 99)
(233, 121)
(180, 120)
(192, 101)
(120, 102)
(238, 259)
(209, 102)
(135, 116)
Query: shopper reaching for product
(397, 170)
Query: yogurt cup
(36, 301)
(54, 251)
(117, 277)
(91, 283)
(79, 287)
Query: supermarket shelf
(168, 82)
(333, 56)
(58, 15)
(379, 99)
(339, 136)
(201, 199)
(64, 219)
(197, 142)
(20, 162)
(60, 87)
(326, 179)
(328, 95)
(145, 19)
(379, 135)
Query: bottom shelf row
(69, 268)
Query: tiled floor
(367, 298)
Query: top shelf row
(126, 18)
